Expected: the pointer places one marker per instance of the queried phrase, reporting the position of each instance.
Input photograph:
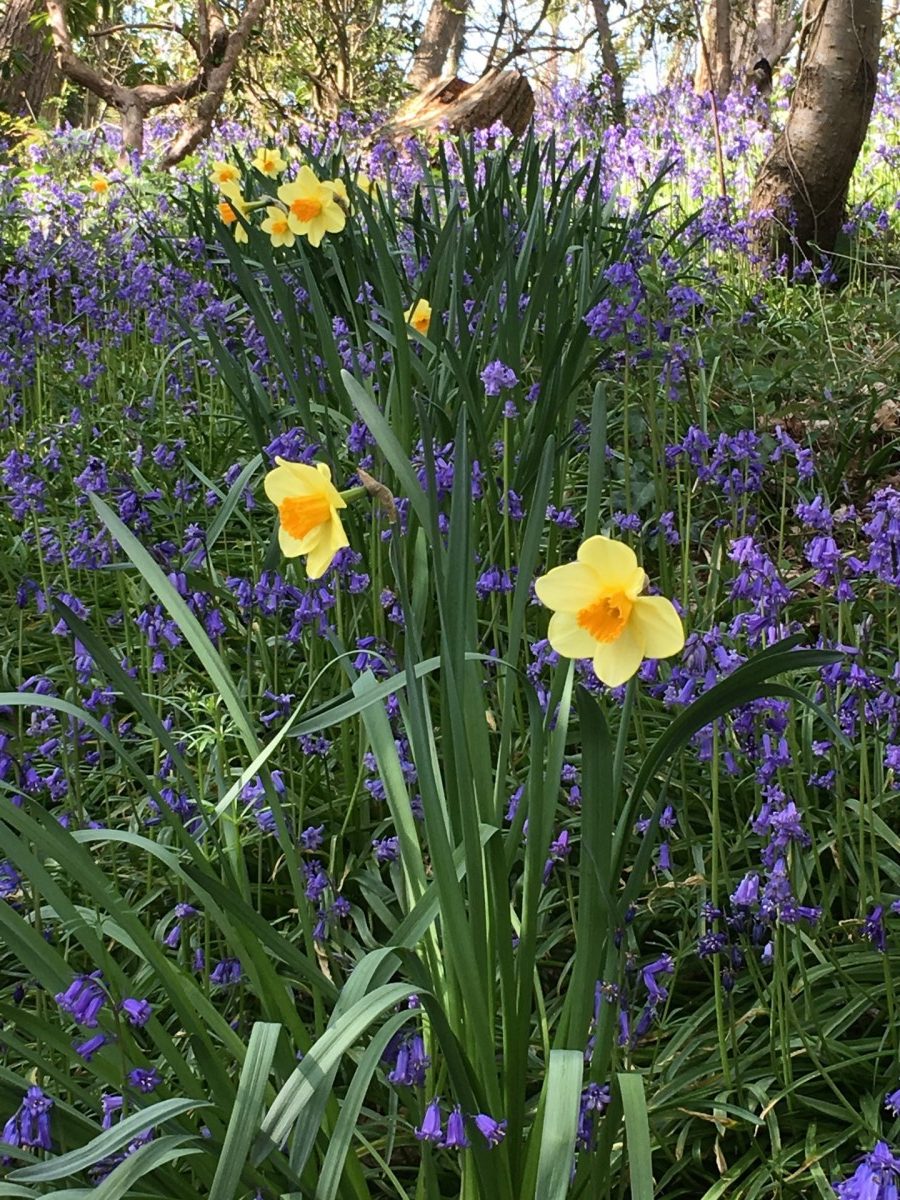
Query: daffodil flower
(601, 613)
(229, 209)
(277, 227)
(308, 504)
(224, 173)
(419, 316)
(269, 162)
(99, 184)
(312, 209)
(369, 187)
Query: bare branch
(194, 133)
(163, 25)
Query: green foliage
(281, 1085)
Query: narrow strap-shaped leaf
(106, 1143)
(144, 1160)
(560, 1124)
(637, 1135)
(245, 1115)
(193, 631)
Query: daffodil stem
(353, 493)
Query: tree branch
(217, 82)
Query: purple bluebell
(492, 1131)
(456, 1138)
(83, 999)
(431, 1129)
(876, 1178)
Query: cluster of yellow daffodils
(306, 207)
(601, 612)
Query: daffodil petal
(332, 539)
(568, 638)
(289, 546)
(568, 588)
(334, 219)
(660, 625)
(300, 479)
(616, 662)
(614, 561)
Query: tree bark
(764, 29)
(442, 25)
(713, 72)
(28, 74)
(610, 59)
(801, 189)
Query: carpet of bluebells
(296, 876)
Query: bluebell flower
(456, 1131)
(138, 1012)
(145, 1079)
(876, 1178)
(492, 1131)
(430, 1130)
(83, 999)
(29, 1126)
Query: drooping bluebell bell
(876, 1178)
(431, 1128)
(83, 999)
(491, 1130)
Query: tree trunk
(764, 29)
(713, 72)
(799, 195)
(441, 29)
(28, 74)
(610, 59)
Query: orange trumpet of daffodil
(308, 504)
(600, 611)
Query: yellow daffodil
(99, 185)
(224, 173)
(277, 227)
(229, 209)
(366, 185)
(312, 208)
(269, 162)
(419, 316)
(307, 503)
(600, 612)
